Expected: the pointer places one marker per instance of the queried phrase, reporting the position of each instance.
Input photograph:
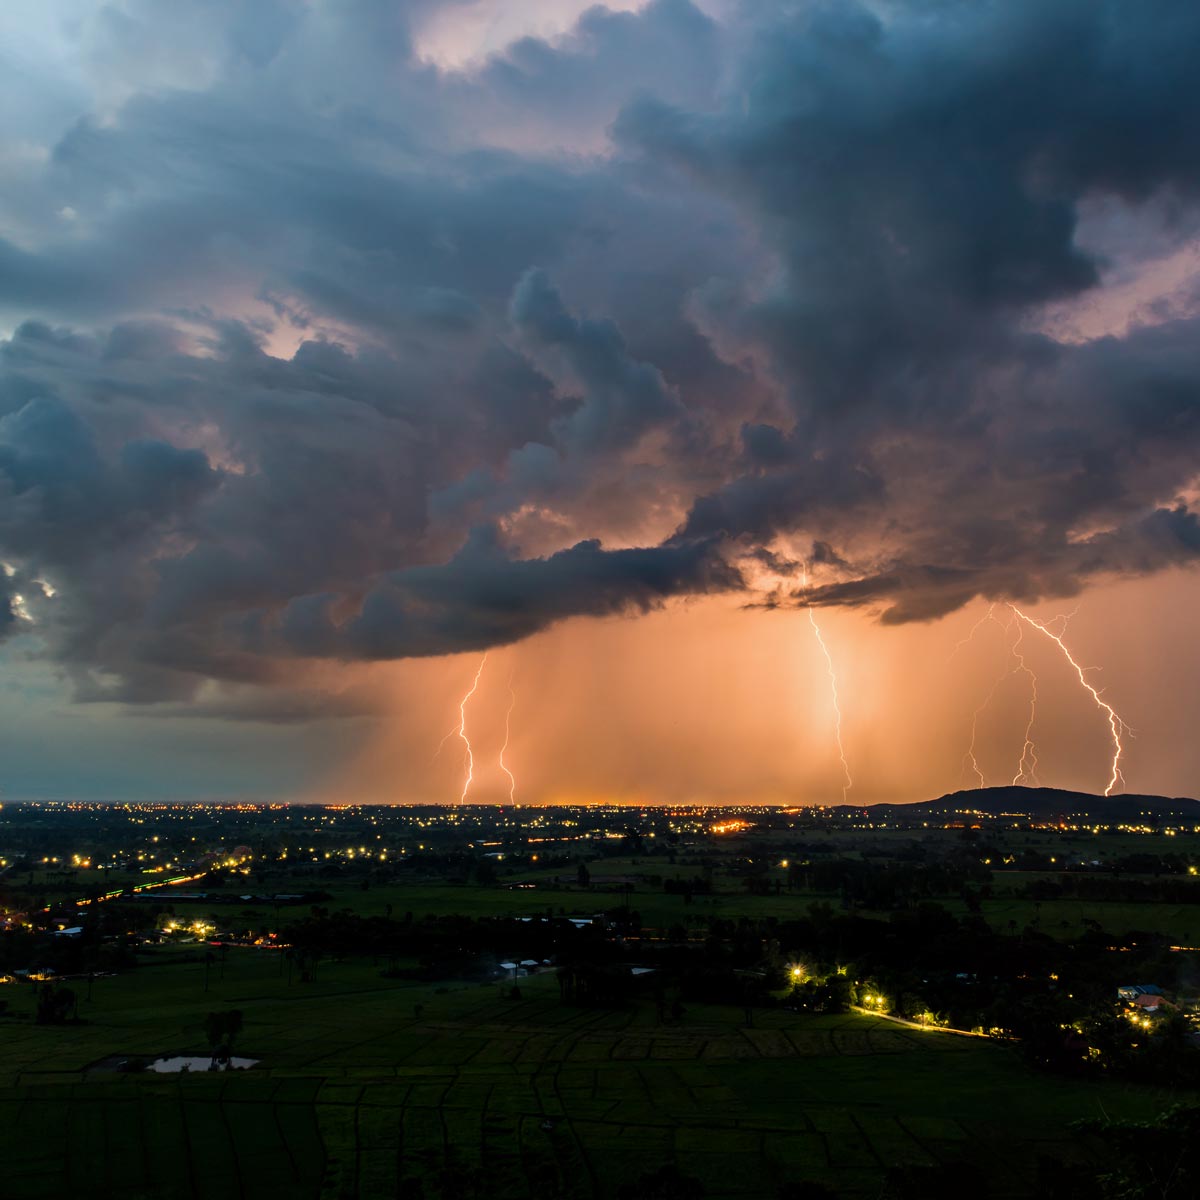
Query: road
(870, 1012)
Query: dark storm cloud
(482, 597)
(62, 502)
(622, 399)
(294, 311)
(919, 172)
(1164, 538)
(919, 176)
(916, 593)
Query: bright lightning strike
(1115, 724)
(462, 730)
(987, 616)
(512, 782)
(1027, 763)
(833, 688)
(969, 757)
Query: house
(1131, 991)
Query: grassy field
(368, 1086)
(1061, 918)
(1058, 918)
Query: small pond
(199, 1062)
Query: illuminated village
(655, 880)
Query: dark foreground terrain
(482, 1095)
(580, 1003)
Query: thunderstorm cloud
(315, 345)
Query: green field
(1060, 918)
(375, 1087)
(658, 910)
(360, 1093)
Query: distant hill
(1047, 803)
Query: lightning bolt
(461, 731)
(987, 616)
(512, 782)
(833, 689)
(1027, 763)
(1116, 726)
(1016, 664)
(969, 757)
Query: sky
(760, 401)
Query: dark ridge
(1047, 803)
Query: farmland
(357, 1094)
(444, 1006)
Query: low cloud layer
(318, 349)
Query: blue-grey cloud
(293, 313)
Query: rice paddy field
(370, 1087)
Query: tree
(55, 1005)
(221, 1028)
(583, 876)
(1157, 1159)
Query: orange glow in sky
(707, 701)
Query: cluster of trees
(56, 1005)
(1031, 858)
(582, 981)
(697, 885)
(106, 943)
(1158, 1159)
(1113, 887)
(891, 885)
(828, 993)
(443, 946)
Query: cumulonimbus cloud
(320, 350)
